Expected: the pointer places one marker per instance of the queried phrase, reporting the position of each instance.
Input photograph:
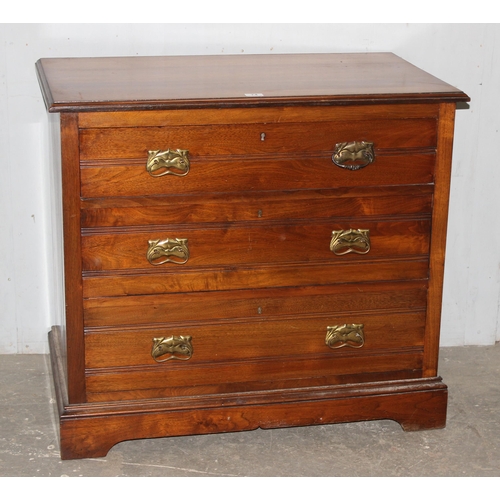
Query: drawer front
(258, 207)
(243, 356)
(182, 279)
(263, 375)
(230, 175)
(252, 244)
(250, 341)
(261, 304)
(255, 138)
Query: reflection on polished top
(183, 81)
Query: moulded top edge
(169, 82)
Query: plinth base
(90, 430)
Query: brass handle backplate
(174, 250)
(350, 241)
(168, 162)
(175, 347)
(353, 155)
(345, 336)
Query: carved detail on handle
(353, 155)
(168, 162)
(350, 241)
(176, 347)
(173, 250)
(345, 336)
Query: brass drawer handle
(345, 336)
(350, 241)
(353, 155)
(168, 162)
(173, 250)
(177, 348)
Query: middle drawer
(259, 304)
(252, 244)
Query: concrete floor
(469, 446)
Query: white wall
(464, 55)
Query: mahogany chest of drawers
(249, 241)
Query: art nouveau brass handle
(353, 155)
(174, 250)
(175, 347)
(345, 336)
(350, 241)
(168, 162)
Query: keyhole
(259, 310)
(259, 214)
(263, 136)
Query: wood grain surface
(257, 208)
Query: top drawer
(248, 131)
(245, 149)
(255, 138)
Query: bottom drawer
(237, 341)
(256, 355)
(264, 375)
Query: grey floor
(469, 446)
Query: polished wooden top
(170, 82)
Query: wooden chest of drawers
(249, 241)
